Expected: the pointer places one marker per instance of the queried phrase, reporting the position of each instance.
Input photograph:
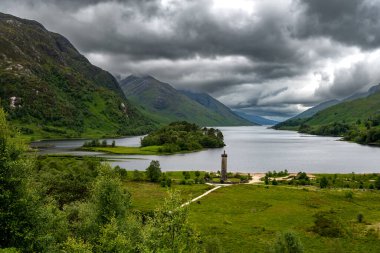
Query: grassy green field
(148, 196)
(247, 218)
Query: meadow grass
(147, 196)
(247, 218)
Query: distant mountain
(355, 120)
(165, 104)
(371, 91)
(294, 122)
(312, 111)
(256, 119)
(214, 105)
(49, 89)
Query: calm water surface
(251, 149)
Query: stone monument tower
(223, 176)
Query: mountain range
(164, 104)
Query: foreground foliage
(48, 205)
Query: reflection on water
(253, 149)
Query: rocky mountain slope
(49, 89)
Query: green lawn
(247, 218)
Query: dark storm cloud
(265, 57)
(352, 22)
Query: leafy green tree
(73, 245)
(169, 230)
(19, 206)
(324, 182)
(153, 172)
(186, 174)
(109, 197)
(377, 183)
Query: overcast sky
(271, 58)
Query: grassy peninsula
(177, 137)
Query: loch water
(249, 149)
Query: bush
(349, 195)
(288, 242)
(186, 174)
(328, 224)
(360, 218)
(137, 175)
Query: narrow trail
(201, 196)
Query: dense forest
(184, 136)
(70, 205)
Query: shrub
(328, 224)
(349, 195)
(186, 174)
(137, 175)
(360, 218)
(288, 242)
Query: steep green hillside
(49, 89)
(165, 104)
(357, 120)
